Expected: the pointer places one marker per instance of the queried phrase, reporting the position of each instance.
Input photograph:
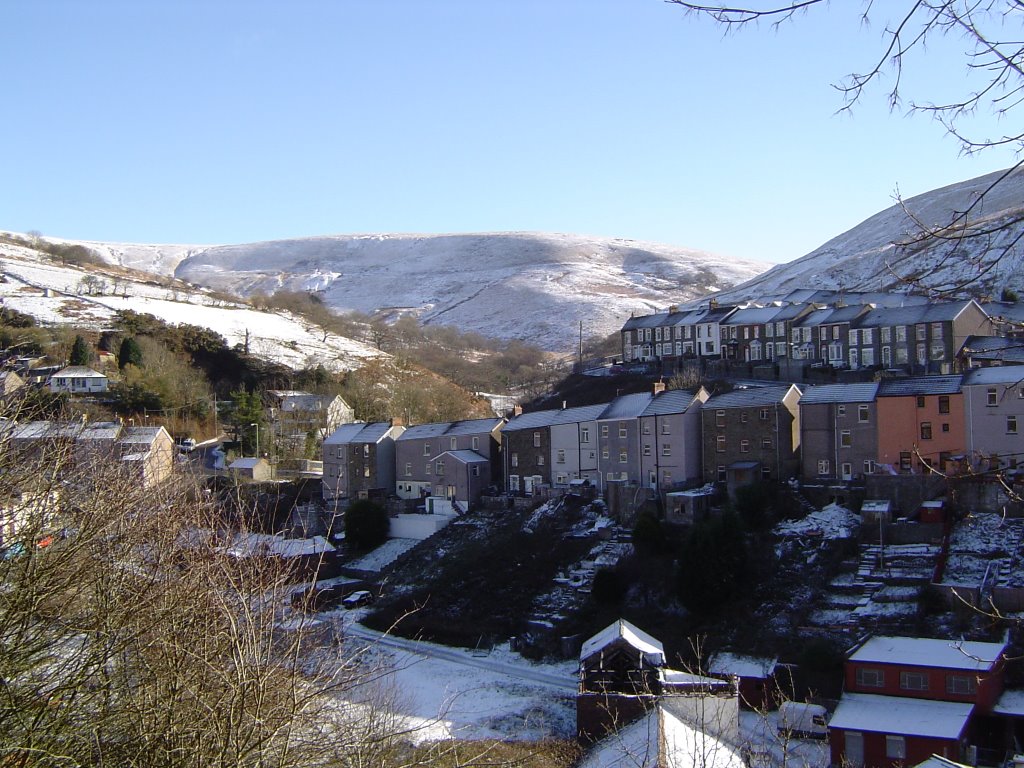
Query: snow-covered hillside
(89, 297)
(869, 257)
(536, 287)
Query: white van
(803, 721)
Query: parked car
(804, 721)
(320, 598)
(357, 599)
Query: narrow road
(460, 656)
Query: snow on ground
(56, 294)
(383, 555)
(832, 522)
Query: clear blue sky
(216, 122)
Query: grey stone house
(756, 429)
(359, 458)
(670, 439)
(418, 447)
(838, 431)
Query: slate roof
(465, 456)
(920, 385)
(140, 435)
(840, 393)
(670, 401)
(752, 315)
(79, 372)
(747, 398)
(359, 432)
(554, 417)
(994, 348)
(998, 374)
(627, 406)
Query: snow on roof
(1010, 703)
(100, 430)
(249, 463)
(79, 372)
(938, 761)
(831, 522)
(902, 716)
(50, 429)
(250, 544)
(651, 648)
(741, 666)
(140, 435)
(662, 739)
(967, 655)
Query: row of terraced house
(848, 331)
(672, 440)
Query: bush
(609, 587)
(366, 524)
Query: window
(1011, 425)
(841, 410)
(622, 430)
(623, 457)
(666, 478)
(845, 439)
(536, 439)
(515, 460)
(476, 443)
(867, 336)
(913, 681)
(920, 401)
(992, 395)
(920, 331)
(430, 468)
(895, 747)
(945, 426)
(604, 430)
(869, 467)
(744, 417)
(408, 468)
(823, 466)
(439, 467)
(454, 444)
(720, 444)
(665, 430)
(835, 332)
(513, 482)
(426, 449)
(475, 470)
(870, 678)
(366, 471)
(766, 443)
(604, 453)
(721, 473)
(560, 456)
(943, 403)
(847, 469)
(926, 430)
(853, 336)
(764, 414)
(886, 335)
(666, 449)
(647, 449)
(366, 451)
(905, 461)
(585, 434)
(936, 330)
(646, 429)
(744, 446)
(901, 333)
(863, 413)
(540, 460)
(719, 418)
(961, 685)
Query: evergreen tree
(80, 352)
(129, 353)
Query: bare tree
(129, 635)
(991, 35)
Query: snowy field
(58, 295)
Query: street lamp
(257, 428)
